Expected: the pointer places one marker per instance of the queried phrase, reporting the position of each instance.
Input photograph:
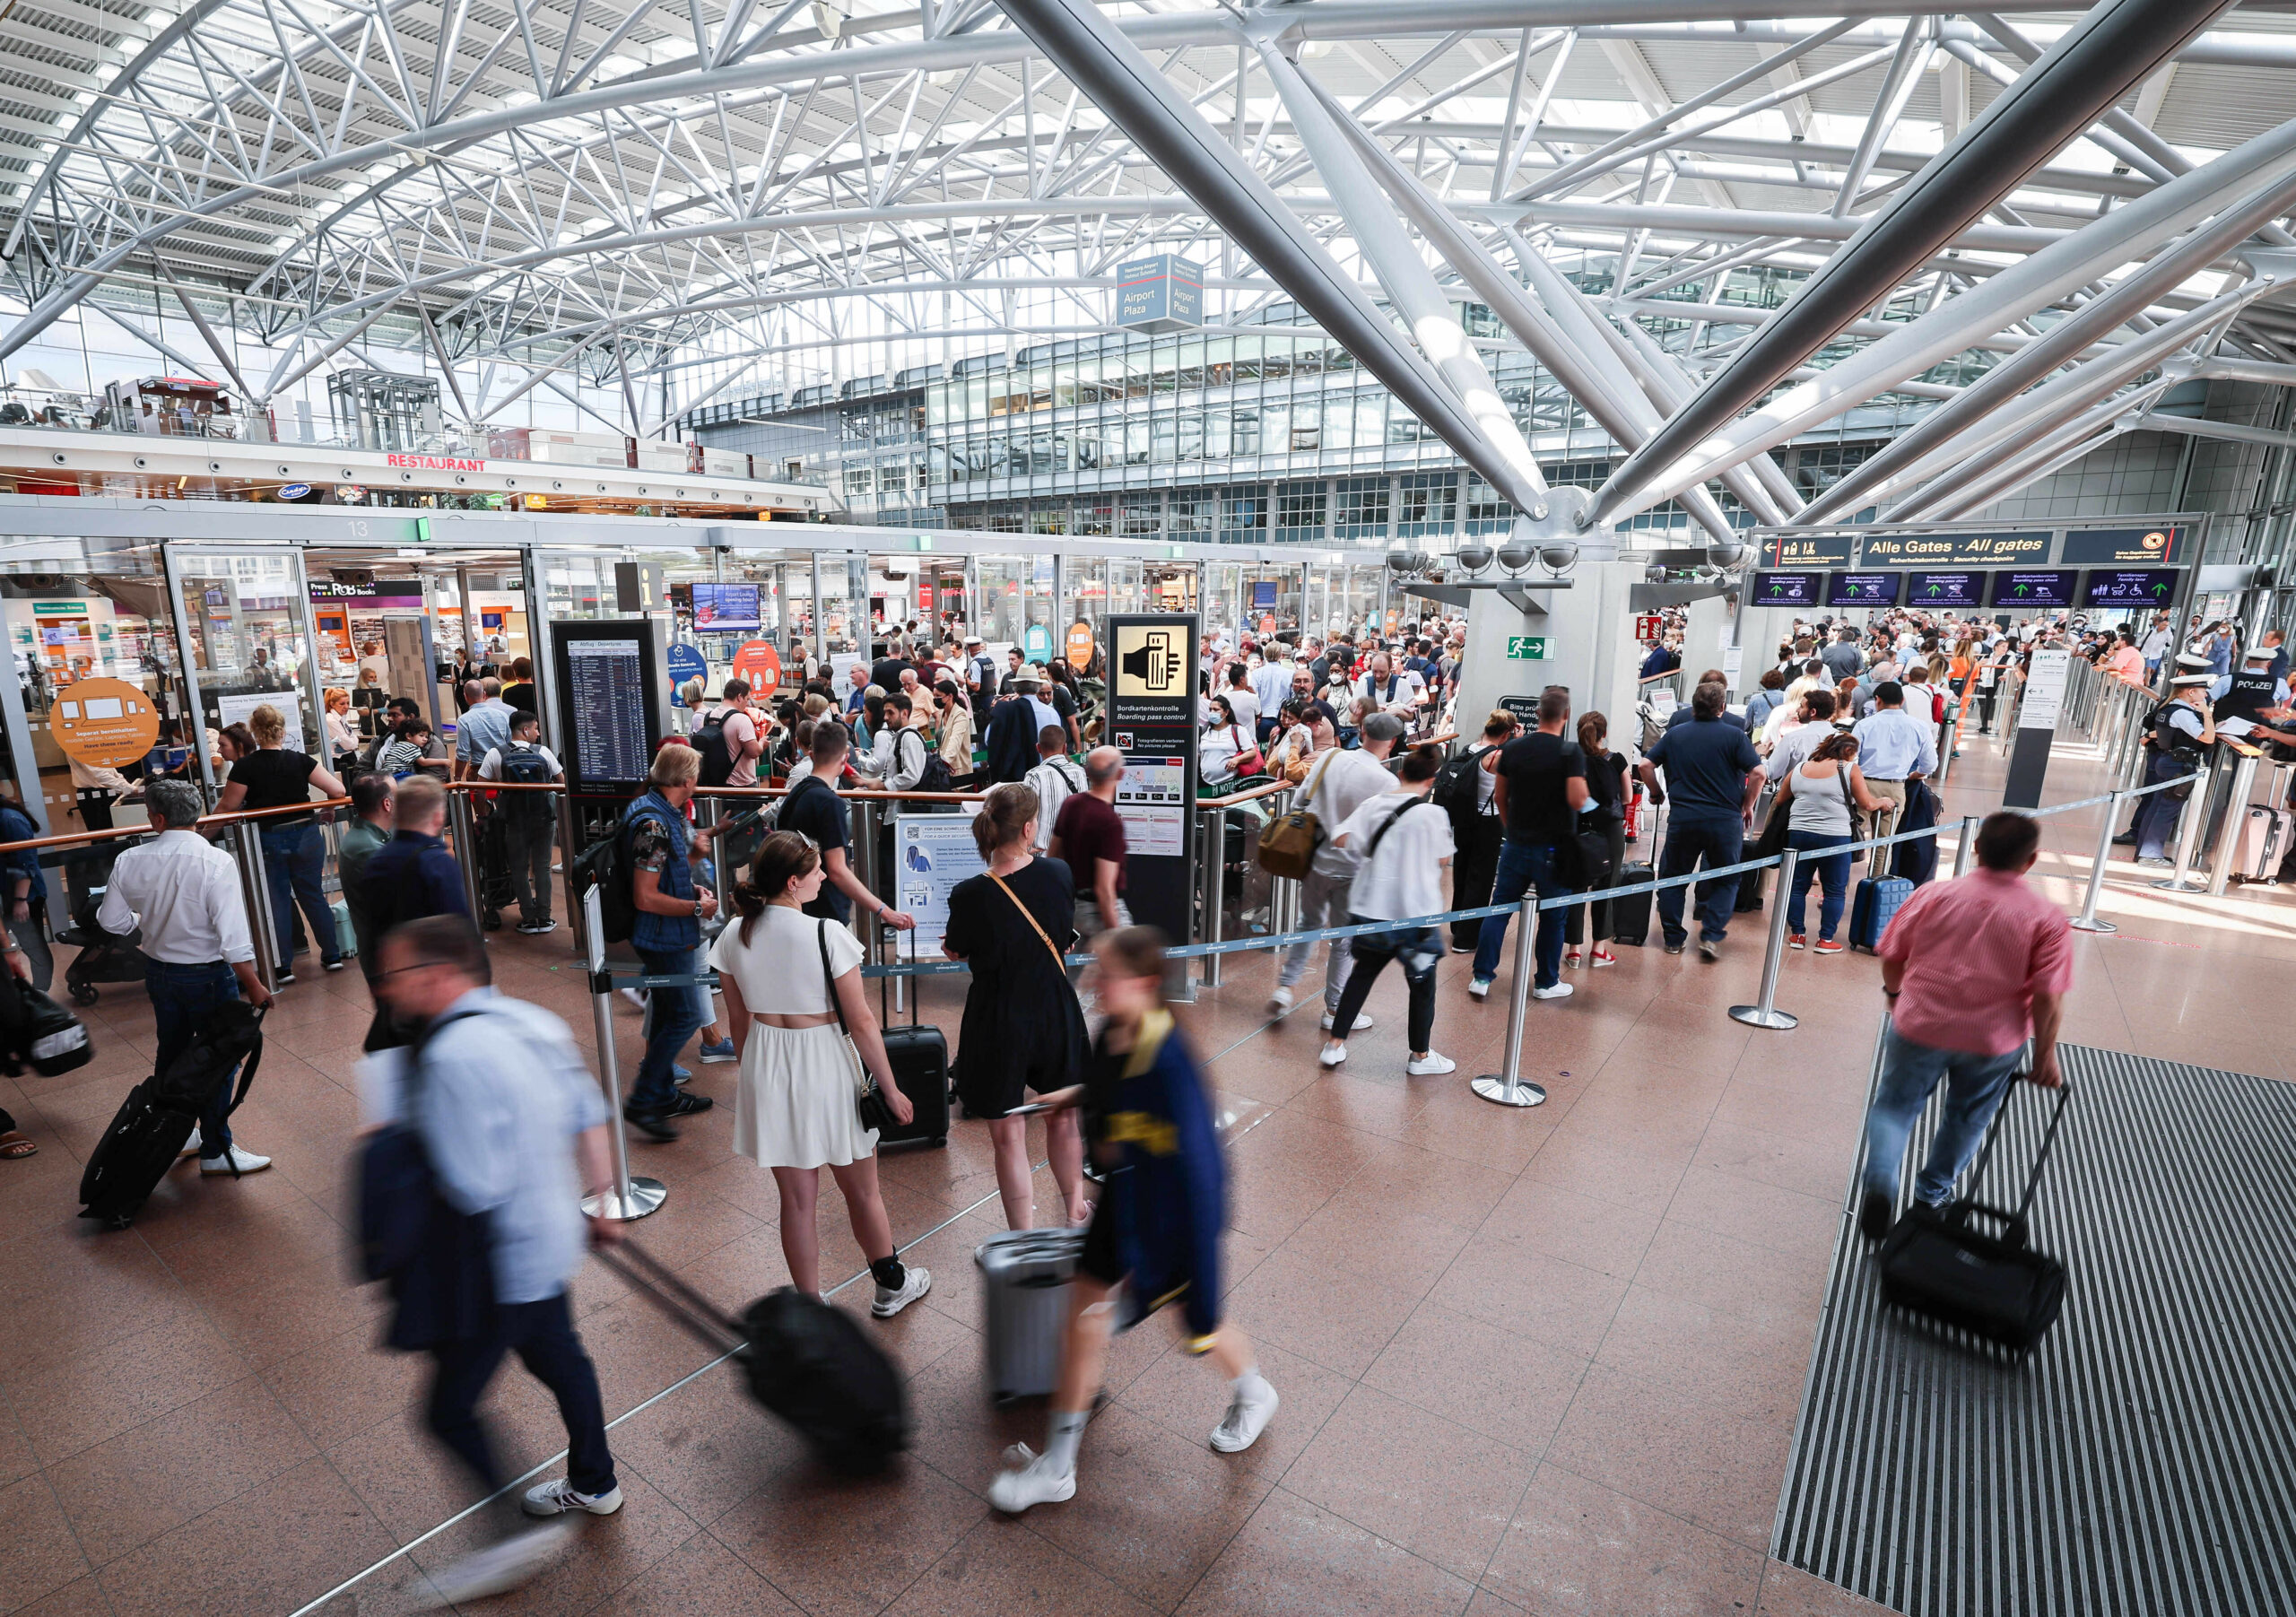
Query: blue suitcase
(1873, 907)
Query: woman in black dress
(1024, 1029)
(1604, 815)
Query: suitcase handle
(2014, 1222)
(683, 1304)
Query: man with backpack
(1055, 778)
(529, 817)
(513, 1132)
(1463, 790)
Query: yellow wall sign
(1151, 661)
(105, 722)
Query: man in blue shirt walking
(1713, 776)
(671, 908)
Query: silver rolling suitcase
(1027, 1271)
(2265, 841)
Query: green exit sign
(1529, 647)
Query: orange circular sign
(1268, 623)
(1079, 646)
(104, 722)
(758, 663)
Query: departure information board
(1944, 590)
(2052, 588)
(1864, 589)
(611, 702)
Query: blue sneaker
(678, 1074)
(722, 1050)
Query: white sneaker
(558, 1496)
(1034, 1484)
(1279, 1002)
(1479, 987)
(1332, 1055)
(238, 1159)
(636, 997)
(913, 1285)
(500, 1567)
(1559, 991)
(1430, 1065)
(1247, 1419)
(1363, 1023)
(190, 1146)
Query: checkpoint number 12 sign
(1530, 648)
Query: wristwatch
(697, 909)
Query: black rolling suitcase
(805, 1360)
(1938, 1264)
(920, 1063)
(1630, 915)
(149, 1131)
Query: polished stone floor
(1543, 1360)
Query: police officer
(2179, 733)
(2244, 699)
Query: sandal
(1571, 958)
(1603, 957)
(15, 1143)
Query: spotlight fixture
(1558, 558)
(1474, 556)
(1516, 554)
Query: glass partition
(247, 623)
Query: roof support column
(1108, 67)
(2116, 44)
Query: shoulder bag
(1857, 820)
(1288, 843)
(1059, 964)
(1584, 855)
(876, 1112)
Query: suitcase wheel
(939, 1141)
(83, 993)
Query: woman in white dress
(794, 1109)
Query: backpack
(604, 864)
(35, 1031)
(524, 765)
(231, 1034)
(710, 741)
(1456, 792)
(934, 777)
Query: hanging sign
(685, 663)
(1079, 646)
(758, 663)
(106, 722)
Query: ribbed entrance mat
(2142, 1460)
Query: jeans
(1323, 902)
(1718, 842)
(1832, 869)
(183, 997)
(1473, 871)
(1974, 1088)
(672, 1017)
(1420, 950)
(2156, 821)
(529, 843)
(1525, 867)
(294, 859)
(541, 1333)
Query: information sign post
(1151, 721)
(2036, 716)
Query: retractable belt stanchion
(2087, 921)
(2196, 810)
(2228, 838)
(464, 821)
(1507, 1087)
(631, 1198)
(262, 919)
(1967, 848)
(1212, 844)
(1767, 1014)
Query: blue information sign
(2146, 587)
(1937, 590)
(685, 663)
(1864, 589)
(2050, 588)
(1786, 590)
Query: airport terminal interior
(1631, 425)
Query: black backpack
(1456, 792)
(934, 777)
(710, 741)
(35, 1031)
(435, 1258)
(524, 765)
(604, 864)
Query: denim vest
(662, 933)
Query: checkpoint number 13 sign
(1529, 647)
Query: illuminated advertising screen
(726, 609)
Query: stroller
(103, 958)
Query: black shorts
(1099, 1260)
(992, 1082)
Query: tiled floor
(1543, 1360)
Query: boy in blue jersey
(1155, 1230)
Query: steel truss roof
(525, 186)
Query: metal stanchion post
(1213, 841)
(2227, 839)
(1967, 848)
(578, 916)
(1766, 1014)
(2187, 839)
(1507, 1087)
(463, 824)
(631, 1198)
(2087, 921)
(256, 883)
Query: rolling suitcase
(1935, 1262)
(920, 1064)
(1630, 915)
(346, 936)
(150, 1130)
(2264, 843)
(1026, 1274)
(1873, 907)
(805, 1360)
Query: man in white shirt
(184, 893)
(1055, 778)
(904, 747)
(1402, 842)
(1392, 689)
(1336, 785)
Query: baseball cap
(1382, 726)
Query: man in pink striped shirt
(1972, 968)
